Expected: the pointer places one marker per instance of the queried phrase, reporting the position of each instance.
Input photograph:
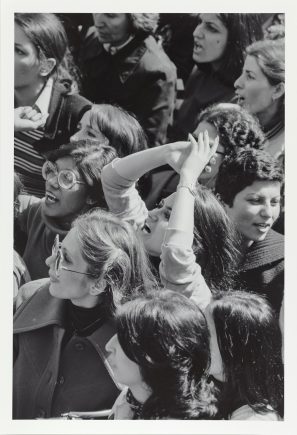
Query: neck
(119, 43)
(27, 95)
(141, 392)
(89, 301)
(266, 117)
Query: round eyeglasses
(66, 177)
(57, 252)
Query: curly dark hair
(235, 126)
(242, 169)
(166, 334)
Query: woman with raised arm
(60, 332)
(215, 250)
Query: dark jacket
(140, 78)
(48, 382)
(202, 90)
(262, 271)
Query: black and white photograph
(144, 220)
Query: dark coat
(48, 382)
(262, 271)
(140, 78)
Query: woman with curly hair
(124, 65)
(220, 41)
(261, 90)
(161, 354)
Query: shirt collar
(43, 101)
(113, 50)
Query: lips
(50, 197)
(240, 98)
(146, 229)
(197, 47)
(263, 227)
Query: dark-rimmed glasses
(58, 253)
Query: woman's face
(210, 39)
(113, 29)
(216, 365)
(71, 285)
(125, 371)
(61, 203)
(26, 62)
(153, 231)
(253, 89)
(87, 130)
(208, 178)
(255, 209)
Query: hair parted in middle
(166, 334)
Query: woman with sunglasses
(72, 177)
(61, 331)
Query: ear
(97, 287)
(279, 91)
(47, 66)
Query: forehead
(20, 36)
(213, 18)
(66, 162)
(168, 202)
(263, 188)
(72, 246)
(85, 120)
(251, 64)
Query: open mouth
(239, 99)
(50, 197)
(197, 48)
(263, 227)
(146, 229)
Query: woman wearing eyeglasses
(72, 177)
(60, 332)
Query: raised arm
(178, 269)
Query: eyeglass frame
(57, 175)
(58, 253)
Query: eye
(250, 76)
(275, 202)
(167, 214)
(111, 15)
(211, 28)
(19, 51)
(254, 201)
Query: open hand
(201, 152)
(176, 153)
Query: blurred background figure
(126, 66)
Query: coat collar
(39, 311)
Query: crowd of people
(149, 216)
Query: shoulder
(247, 413)
(74, 101)
(27, 201)
(27, 290)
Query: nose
(99, 20)
(198, 32)
(50, 260)
(238, 82)
(53, 181)
(110, 344)
(266, 210)
(153, 214)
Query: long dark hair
(166, 334)
(249, 340)
(215, 241)
(243, 29)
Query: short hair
(249, 340)
(166, 334)
(121, 128)
(242, 169)
(215, 240)
(90, 158)
(144, 23)
(115, 253)
(236, 127)
(243, 29)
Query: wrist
(187, 179)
